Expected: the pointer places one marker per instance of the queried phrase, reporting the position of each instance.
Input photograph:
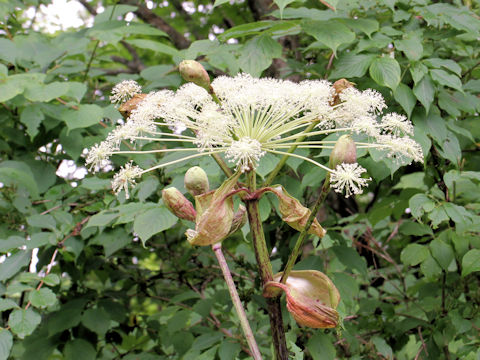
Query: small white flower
(124, 91)
(397, 124)
(125, 178)
(348, 177)
(403, 149)
(245, 153)
(98, 156)
(356, 103)
(366, 125)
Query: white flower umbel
(348, 178)
(248, 118)
(245, 153)
(397, 124)
(124, 91)
(125, 177)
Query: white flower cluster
(252, 117)
(124, 91)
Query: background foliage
(116, 279)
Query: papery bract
(214, 214)
(312, 298)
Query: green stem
(265, 268)
(284, 159)
(252, 344)
(303, 234)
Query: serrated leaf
(445, 63)
(419, 204)
(23, 322)
(155, 46)
(152, 222)
(405, 97)
(321, 347)
(471, 262)
(7, 304)
(330, 33)
(367, 26)
(351, 65)
(414, 254)
(386, 72)
(43, 298)
(424, 91)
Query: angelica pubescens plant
(244, 118)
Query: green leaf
(405, 97)
(430, 268)
(46, 92)
(350, 258)
(16, 173)
(418, 71)
(386, 72)
(6, 342)
(411, 45)
(424, 91)
(351, 65)
(414, 254)
(67, 317)
(220, 2)
(23, 322)
(258, 53)
(321, 347)
(382, 347)
(152, 222)
(330, 33)
(80, 349)
(445, 63)
(367, 26)
(414, 180)
(43, 298)
(14, 263)
(446, 79)
(86, 115)
(229, 350)
(419, 204)
(253, 28)
(96, 320)
(471, 262)
(282, 4)
(155, 46)
(442, 252)
(7, 304)
(32, 116)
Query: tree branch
(147, 15)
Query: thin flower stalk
(252, 344)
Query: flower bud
(127, 107)
(344, 151)
(178, 204)
(196, 181)
(294, 213)
(215, 215)
(312, 298)
(339, 86)
(193, 71)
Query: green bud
(344, 151)
(196, 181)
(178, 204)
(193, 71)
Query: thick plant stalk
(303, 234)
(265, 268)
(252, 344)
